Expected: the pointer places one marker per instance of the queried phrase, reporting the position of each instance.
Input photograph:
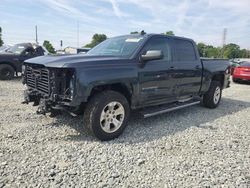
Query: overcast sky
(202, 20)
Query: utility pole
(61, 44)
(36, 36)
(224, 38)
(77, 34)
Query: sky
(201, 20)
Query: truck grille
(38, 79)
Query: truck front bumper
(47, 104)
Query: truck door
(156, 85)
(187, 68)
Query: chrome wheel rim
(217, 95)
(112, 117)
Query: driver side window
(159, 43)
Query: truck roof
(154, 34)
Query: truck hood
(72, 61)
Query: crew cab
(11, 60)
(149, 72)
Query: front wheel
(6, 72)
(212, 98)
(106, 115)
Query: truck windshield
(123, 46)
(17, 49)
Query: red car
(242, 72)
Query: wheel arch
(219, 77)
(123, 88)
(10, 64)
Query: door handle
(172, 68)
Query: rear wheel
(212, 98)
(235, 80)
(106, 115)
(6, 72)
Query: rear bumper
(242, 77)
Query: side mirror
(152, 55)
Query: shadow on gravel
(242, 82)
(150, 129)
(16, 78)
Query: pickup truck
(152, 73)
(11, 60)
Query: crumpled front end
(48, 88)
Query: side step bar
(152, 111)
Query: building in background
(74, 50)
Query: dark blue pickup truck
(11, 60)
(149, 72)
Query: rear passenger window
(184, 50)
(159, 44)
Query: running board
(152, 111)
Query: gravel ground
(193, 147)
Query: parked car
(242, 72)
(234, 63)
(11, 61)
(149, 72)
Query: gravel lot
(193, 147)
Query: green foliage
(134, 32)
(1, 41)
(244, 53)
(170, 33)
(96, 39)
(208, 50)
(229, 51)
(202, 49)
(49, 47)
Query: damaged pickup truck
(149, 72)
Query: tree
(208, 50)
(49, 47)
(170, 33)
(244, 53)
(201, 48)
(96, 39)
(1, 41)
(231, 51)
(134, 32)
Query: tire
(213, 96)
(6, 72)
(102, 117)
(235, 80)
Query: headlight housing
(63, 82)
(23, 69)
(71, 87)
